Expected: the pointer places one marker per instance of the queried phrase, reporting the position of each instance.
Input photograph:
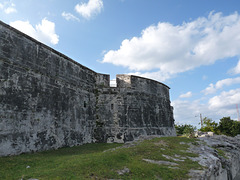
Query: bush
(229, 127)
(226, 126)
(209, 125)
(185, 129)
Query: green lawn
(92, 161)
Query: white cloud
(174, 49)
(1, 6)
(220, 84)
(186, 95)
(188, 112)
(210, 89)
(87, 10)
(236, 70)
(225, 103)
(25, 27)
(44, 32)
(8, 7)
(10, 10)
(158, 76)
(69, 16)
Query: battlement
(124, 80)
(48, 100)
(142, 84)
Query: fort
(48, 101)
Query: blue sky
(191, 46)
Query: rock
(220, 155)
(169, 157)
(178, 156)
(203, 134)
(161, 143)
(123, 171)
(182, 143)
(210, 133)
(196, 174)
(160, 162)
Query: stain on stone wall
(48, 101)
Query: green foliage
(185, 129)
(98, 161)
(235, 129)
(221, 153)
(209, 125)
(229, 127)
(226, 126)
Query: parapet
(123, 80)
(102, 80)
(142, 84)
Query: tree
(235, 130)
(229, 127)
(209, 125)
(185, 129)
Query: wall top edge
(140, 77)
(44, 45)
(68, 58)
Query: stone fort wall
(48, 101)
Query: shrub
(209, 125)
(229, 127)
(185, 129)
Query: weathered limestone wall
(139, 106)
(48, 101)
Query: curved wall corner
(136, 107)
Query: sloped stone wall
(48, 101)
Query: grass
(221, 153)
(91, 161)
